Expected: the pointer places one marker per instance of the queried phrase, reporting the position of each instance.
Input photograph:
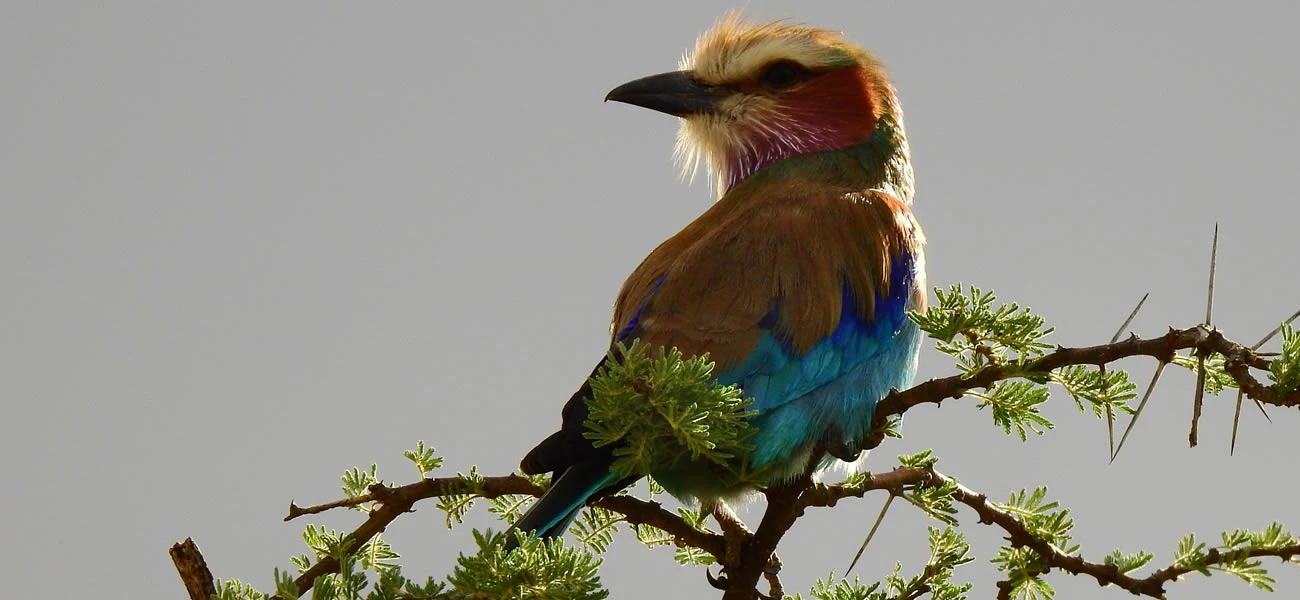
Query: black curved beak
(677, 93)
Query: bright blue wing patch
(836, 384)
(773, 375)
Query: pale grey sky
(245, 246)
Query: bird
(796, 281)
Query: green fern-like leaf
(970, 327)
(536, 570)
(424, 458)
(595, 529)
(356, 481)
(1127, 563)
(458, 505)
(1099, 389)
(1216, 378)
(1016, 405)
(1284, 371)
(662, 410)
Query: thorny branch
(1018, 535)
(1238, 361)
(393, 501)
(787, 502)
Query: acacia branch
(1238, 361)
(393, 501)
(193, 570)
(758, 550)
(1020, 536)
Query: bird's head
(751, 94)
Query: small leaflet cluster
(971, 327)
(948, 550)
(662, 409)
(1285, 369)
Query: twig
(1199, 399)
(1236, 418)
(870, 534)
(1151, 387)
(1110, 412)
(1257, 346)
(193, 570)
(1238, 360)
(783, 508)
(1129, 320)
(394, 501)
(1275, 331)
(1019, 535)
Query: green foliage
(892, 428)
(1284, 371)
(323, 542)
(1216, 378)
(234, 589)
(366, 574)
(690, 556)
(1100, 389)
(651, 536)
(971, 329)
(356, 482)
(1127, 563)
(693, 516)
(595, 528)
(510, 506)
(457, 505)
(1024, 568)
(285, 587)
(538, 569)
(663, 410)
(424, 458)
(1041, 518)
(1016, 406)
(1044, 520)
(1234, 555)
(832, 588)
(921, 460)
(948, 550)
(935, 500)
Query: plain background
(245, 246)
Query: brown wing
(749, 265)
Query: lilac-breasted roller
(796, 282)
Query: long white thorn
(1199, 400)
(1110, 412)
(1236, 418)
(1276, 330)
(870, 534)
(1141, 405)
(1129, 320)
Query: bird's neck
(882, 161)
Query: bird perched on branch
(796, 282)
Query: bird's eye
(783, 74)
